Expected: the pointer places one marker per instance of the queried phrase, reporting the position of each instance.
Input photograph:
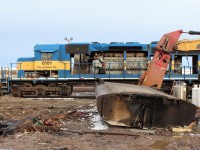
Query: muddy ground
(78, 130)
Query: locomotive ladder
(4, 86)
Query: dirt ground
(78, 132)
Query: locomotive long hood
(139, 106)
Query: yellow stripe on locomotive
(44, 65)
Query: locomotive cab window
(46, 56)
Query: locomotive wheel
(40, 92)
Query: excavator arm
(187, 45)
(154, 75)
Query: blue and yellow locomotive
(56, 68)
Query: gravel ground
(86, 138)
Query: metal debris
(37, 128)
(188, 128)
(37, 124)
(181, 129)
(142, 107)
(143, 131)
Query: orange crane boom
(154, 75)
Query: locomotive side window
(46, 56)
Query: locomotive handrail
(131, 69)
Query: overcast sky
(24, 23)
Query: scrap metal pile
(41, 123)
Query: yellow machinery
(187, 45)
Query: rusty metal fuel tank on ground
(140, 106)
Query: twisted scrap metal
(43, 128)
